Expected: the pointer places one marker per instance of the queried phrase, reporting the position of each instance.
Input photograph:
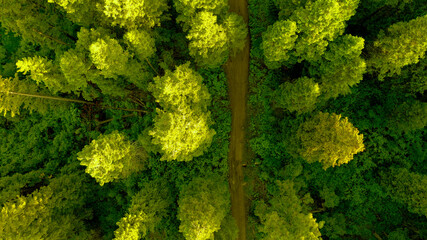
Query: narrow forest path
(237, 70)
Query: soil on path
(237, 70)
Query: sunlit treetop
(278, 41)
(402, 44)
(110, 157)
(132, 14)
(318, 23)
(109, 57)
(140, 42)
(328, 139)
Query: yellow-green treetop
(203, 204)
(328, 139)
(284, 217)
(402, 44)
(181, 128)
(110, 157)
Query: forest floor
(237, 70)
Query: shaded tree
(299, 96)
(402, 44)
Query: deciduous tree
(328, 139)
(402, 44)
(110, 157)
(203, 204)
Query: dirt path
(237, 70)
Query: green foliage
(341, 67)
(236, 32)
(109, 57)
(318, 23)
(328, 139)
(409, 188)
(147, 209)
(141, 43)
(12, 103)
(287, 7)
(111, 157)
(203, 204)
(181, 128)
(284, 216)
(409, 116)
(277, 41)
(189, 8)
(208, 40)
(229, 229)
(83, 12)
(36, 22)
(46, 213)
(402, 44)
(299, 96)
(135, 14)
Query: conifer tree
(37, 22)
(110, 157)
(328, 139)
(146, 211)
(402, 44)
(16, 94)
(299, 96)
(181, 128)
(341, 66)
(203, 204)
(284, 217)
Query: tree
(208, 40)
(229, 229)
(404, 43)
(111, 157)
(37, 22)
(236, 32)
(181, 129)
(109, 57)
(341, 66)
(203, 204)
(318, 23)
(16, 94)
(47, 213)
(408, 116)
(189, 8)
(140, 42)
(287, 7)
(83, 12)
(284, 217)
(277, 41)
(146, 211)
(407, 187)
(132, 14)
(328, 139)
(299, 96)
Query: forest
(118, 119)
